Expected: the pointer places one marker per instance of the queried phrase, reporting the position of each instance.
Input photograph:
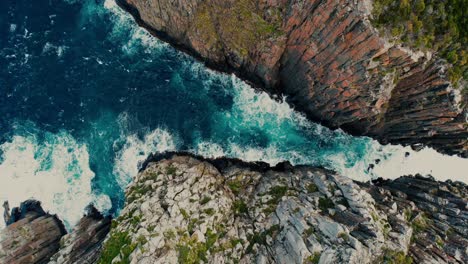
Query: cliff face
(326, 57)
(32, 235)
(185, 209)
(35, 237)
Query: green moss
(260, 238)
(419, 224)
(169, 234)
(205, 200)
(119, 243)
(314, 259)
(191, 251)
(440, 242)
(184, 213)
(325, 204)
(171, 170)
(309, 231)
(311, 188)
(137, 191)
(135, 220)
(277, 192)
(235, 186)
(408, 214)
(343, 236)
(209, 211)
(240, 207)
(234, 242)
(395, 257)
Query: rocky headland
(328, 59)
(182, 208)
(34, 236)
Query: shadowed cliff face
(36, 237)
(327, 58)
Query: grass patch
(313, 259)
(205, 200)
(260, 238)
(119, 243)
(395, 257)
(171, 170)
(311, 188)
(240, 208)
(325, 204)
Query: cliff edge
(182, 208)
(186, 209)
(327, 58)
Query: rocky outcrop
(84, 244)
(32, 236)
(35, 237)
(327, 58)
(186, 209)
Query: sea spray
(53, 168)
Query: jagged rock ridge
(327, 58)
(33, 236)
(186, 209)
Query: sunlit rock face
(327, 58)
(184, 208)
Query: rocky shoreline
(183, 208)
(326, 58)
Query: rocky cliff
(185, 209)
(33, 236)
(327, 58)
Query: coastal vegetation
(441, 26)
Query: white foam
(256, 109)
(123, 23)
(136, 150)
(424, 162)
(55, 172)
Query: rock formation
(34, 237)
(84, 244)
(186, 209)
(327, 58)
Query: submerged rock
(327, 58)
(187, 209)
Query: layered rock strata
(84, 244)
(327, 58)
(33, 236)
(186, 209)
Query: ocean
(86, 95)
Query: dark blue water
(85, 96)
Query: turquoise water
(86, 96)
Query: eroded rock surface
(186, 209)
(35, 237)
(32, 236)
(327, 58)
(83, 245)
